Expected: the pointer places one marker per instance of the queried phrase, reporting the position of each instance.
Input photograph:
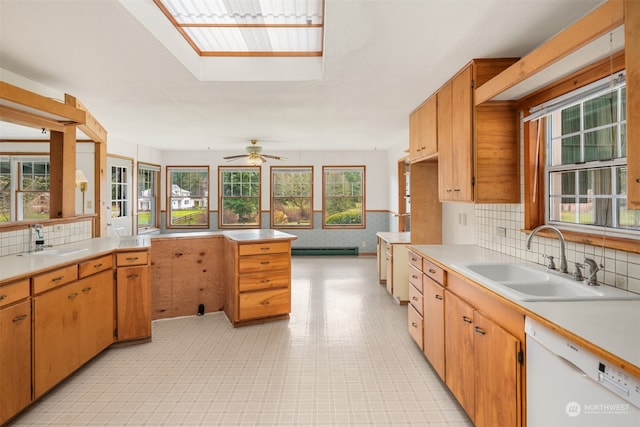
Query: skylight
(248, 27)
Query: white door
(120, 206)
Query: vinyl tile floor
(344, 358)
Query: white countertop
(612, 326)
(394, 237)
(19, 265)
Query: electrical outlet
(364, 244)
(57, 227)
(501, 231)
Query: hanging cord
(537, 164)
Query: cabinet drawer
(415, 325)
(415, 299)
(264, 248)
(255, 305)
(415, 260)
(55, 278)
(257, 263)
(263, 280)
(95, 266)
(415, 277)
(433, 271)
(132, 258)
(14, 292)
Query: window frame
(206, 197)
(221, 197)
(535, 156)
(16, 190)
(363, 224)
(156, 170)
(273, 171)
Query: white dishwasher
(570, 386)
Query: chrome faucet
(563, 257)
(592, 280)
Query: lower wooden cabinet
(433, 335)
(15, 358)
(258, 281)
(71, 324)
(133, 290)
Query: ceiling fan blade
(264, 158)
(235, 157)
(274, 157)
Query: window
(148, 191)
(239, 197)
(188, 197)
(119, 191)
(586, 162)
(343, 197)
(24, 188)
(291, 197)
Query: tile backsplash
(15, 242)
(498, 228)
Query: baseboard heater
(323, 251)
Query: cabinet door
(445, 144)
(414, 135)
(96, 328)
(133, 303)
(15, 359)
(56, 347)
(433, 300)
(459, 351)
(461, 132)
(497, 378)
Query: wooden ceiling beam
(597, 23)
(23, 118)
(91, 127)
(40, 106)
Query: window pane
(595, 182)
(570, 120)
(628, 218)
(343, 197)
(34, 205)
(5, 206)
(188, 198)
(240, 211)
(291, 194)
(601, 111)
(240, 197)
(600, 144)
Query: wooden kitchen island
(246, 273)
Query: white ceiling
(382, 59)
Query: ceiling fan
(254, 154)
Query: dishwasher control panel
(620, 382)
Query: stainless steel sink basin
(528, 282)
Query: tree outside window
(291, 197)
(188, 197)
(239, 197)
(343, 197)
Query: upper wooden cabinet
(423, 136)
(478, 154)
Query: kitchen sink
(529, 282)
(55, 252)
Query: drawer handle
(135, 258)
(413, 259)
(439, 297)
(265, 281)
(87, 289)
(479, 330)
(265, 248)
(414, 298)
(19, 318)
(132, 276)
(3, 297)
(432, 271)
(413, 276)
(265, 303)
(414, 324)
(178, 254)
(57, 279)
(73, 295)
(97, 265)
(466, 319)
(265, 262)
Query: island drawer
(263, 248)
(433, 271)
(415, 260)
(415, 298)
(257, 263)
(415, 325)
(415, 277)
(263, 280)
(256, 305)
(132, 258)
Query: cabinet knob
(439, 297)
(432, 271)
(414, 298)
(265, 303)
(57, 279)
(2, 297)
(132, 276)
(414, 324)
(97, 265)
